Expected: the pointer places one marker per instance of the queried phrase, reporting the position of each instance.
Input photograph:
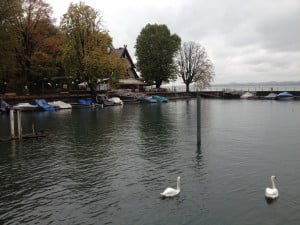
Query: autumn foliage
(33, 49)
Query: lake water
(108, 166)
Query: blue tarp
(159, 98)
(4, 106)
(42, 104)
(284, 94)
(85, 101)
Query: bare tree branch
(193, 65)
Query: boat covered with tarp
(247, 95)
(60, 105)
(25, 106)
(159, 98)
(103, 100)
(4, 106)
(147, 99)
(42, 104)
(271, 95)
(85, 102)
(284, 96)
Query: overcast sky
(248, 41)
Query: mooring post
(198, 119)
(33, 131)
(12, 123)
(19, 124)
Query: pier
(18, 123)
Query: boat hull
(285, 98)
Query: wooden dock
(20, 135)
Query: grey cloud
(247, 41)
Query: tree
(194, 65)
(86, 56)
(8, 9)
(46, 60)
(31, 24)
(155, 49)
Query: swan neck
(273, 183)
(178, 184)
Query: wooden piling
(19, 124)
(33, 130)
(198, 119)
(12, 123)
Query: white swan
(170, 192)
(272, 193)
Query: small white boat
(24, 106)
(271, 95)
(60, 105)
(247, 95)
(116, 100)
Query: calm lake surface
(108, 166)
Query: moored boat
(284, 96)
(60, 105)
(42, 104)
(147, 99)
(159, 98)
(116, 100)
(247, 95)
(103, 100)
(85, 102)
(4, 106)
(25, 106)
(271, 95)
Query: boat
(116, 100)
(43, 105)
(159, 98)
(60, 105)
(103, 100)
(4, 106)
(147, 99)
(227, 94)
(247, 95)
(284, 96)
(25, 106)
(85, 102)
(271, 95)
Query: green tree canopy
(8, 42)
(86, 56)
(155, 50)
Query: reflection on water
(108, 166)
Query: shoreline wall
(73, 96)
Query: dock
(18, 123)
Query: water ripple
(109, 166)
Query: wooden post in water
(33, 130)
(19, 124)
(12, 123)
(198, 119)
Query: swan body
(272, 193)
(170, 192)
